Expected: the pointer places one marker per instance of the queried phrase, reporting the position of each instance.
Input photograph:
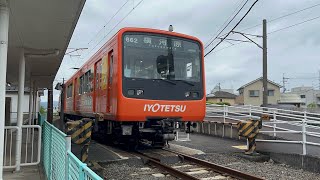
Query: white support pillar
(4, 31)
(35, 102)
(22, 68)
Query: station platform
(26, 173)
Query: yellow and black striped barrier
(249, 129)
(80, 132)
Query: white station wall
(14, 105)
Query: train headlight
(187, 94)
(195, 94)
(140, 92)
(131, 92)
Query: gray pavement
(26, 173)
(212, 144)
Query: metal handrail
(295, 118)
(30, 139)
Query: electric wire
(283, 16)
(226, 25)
(232, 28)
(294, 25)
(116, 26)
(108, 21)
(281, 29)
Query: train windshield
(151, 56)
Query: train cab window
(158, 56)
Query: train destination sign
(159, 42)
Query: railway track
(199, 168)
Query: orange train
(140, 85)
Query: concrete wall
(215, 100)
(257, 101)
(227, 130)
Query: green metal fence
(58, 160)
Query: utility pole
(62, 94)
(265, 63)
(319, 79)
(219, 86)
(50, 105)
(284, 80)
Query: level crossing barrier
(58, 160)
(281, 122)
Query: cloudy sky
(293, 51)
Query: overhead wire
(116, 26)
(294, 25)
(232, 28)
(227, 24)
(277, 30)
(226, 21)
(108, 21)
(283, 16)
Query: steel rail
(170, 170)
(217, 168)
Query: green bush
(312, 105)
(223, 103)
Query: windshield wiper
(167, 80)
(187, 82)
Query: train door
(109, 81)
(75, 94)
(98, 84)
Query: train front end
(163, 87)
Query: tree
(42, 110)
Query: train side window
(111, 68)
(82, 85)
(87, 83)
(69, 90)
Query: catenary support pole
(50, 105)
(22, 68)
(265, 65)
(4, 32)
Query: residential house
(222, 96)
(308, 95)
(252, 94)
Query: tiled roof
(259, 79)
(222, 94)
